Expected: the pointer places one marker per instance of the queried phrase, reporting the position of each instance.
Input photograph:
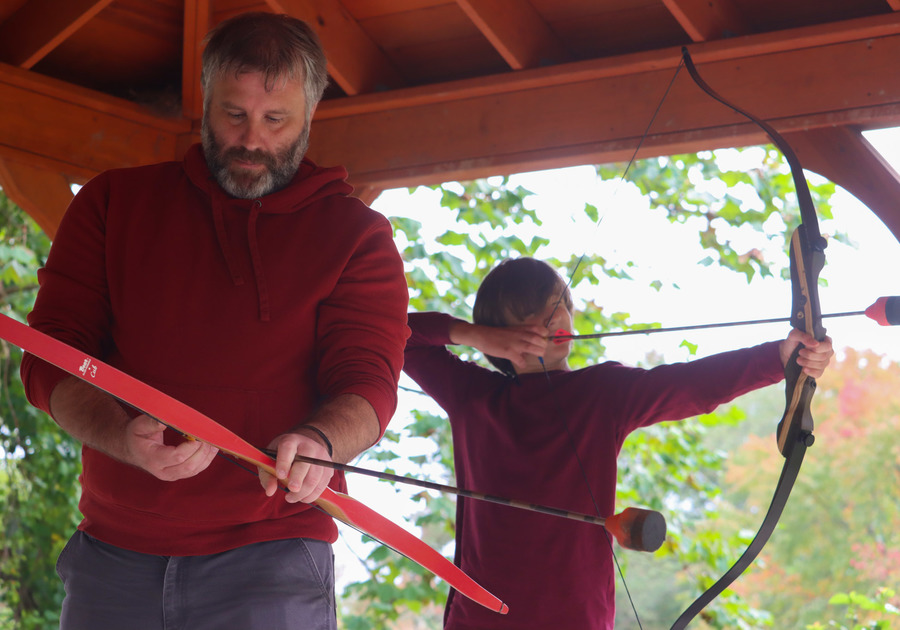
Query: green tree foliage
(721, 201)
(864, 613)
(40, 463)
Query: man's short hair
(279, 46)
(517, 288)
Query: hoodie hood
(311, 184)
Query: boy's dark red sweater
(510, 439)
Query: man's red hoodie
(250, 311)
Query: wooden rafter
(516, 31)
(543, 117)
(196, 25)
(76, 131)
(705, 20)
(354, 61)
(39, 26)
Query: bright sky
(855, 275)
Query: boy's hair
(517, 288)
(278, 46)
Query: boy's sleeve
(428, 330)
(683, 390)
(439, 372)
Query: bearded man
(247, 283)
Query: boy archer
(514, 431)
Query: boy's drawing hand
(814, 356)
(515, 343)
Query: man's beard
(280, 168)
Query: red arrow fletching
(638, 529)
(885, 311)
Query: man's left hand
(304, 482)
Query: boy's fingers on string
(514, 344)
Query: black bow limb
(795, 431)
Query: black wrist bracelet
(322, 435)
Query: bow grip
(807, 260)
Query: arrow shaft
(648, 331)
(524, 505)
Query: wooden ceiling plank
(33, 31)
(705, 20)
(355, 62)
(516, 31)
(197, 21)
(843, 155)
(364, 9)
(668, 58)
(44, 194)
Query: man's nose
(252, 136)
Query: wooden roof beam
(574, 113)
(354, 61)
(621, 66)
(39, 26)
(76, 131)
(516, 31)
(43, 194)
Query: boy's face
(553, 317)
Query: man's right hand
(145, 449)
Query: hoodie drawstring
(259, 274)
(222, 237)
(262, 289)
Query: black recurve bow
(794, 433)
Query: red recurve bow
(194, 424)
